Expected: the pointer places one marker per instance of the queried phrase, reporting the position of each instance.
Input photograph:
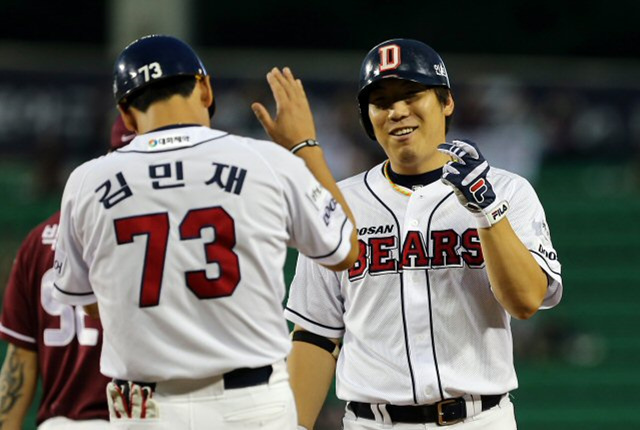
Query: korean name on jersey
(181, 236)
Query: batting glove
(467, 175)
(130, 400)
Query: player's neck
(412, 181)
(418, 168)
(171, 112)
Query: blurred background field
(549, 91)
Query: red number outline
(219, 251)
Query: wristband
(303, 144)
(488, 217)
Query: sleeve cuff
(73, 298)
(18, 339)
(313, 326)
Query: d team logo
(389, 57)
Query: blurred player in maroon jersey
(49, 339)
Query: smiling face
(409, 123)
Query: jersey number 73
(219, 250)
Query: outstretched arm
(294, 124)
(18, 381)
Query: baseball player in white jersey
(181, 236)
(450, 250)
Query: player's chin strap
(317, 340)
(127, 399)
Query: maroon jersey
(67, 342)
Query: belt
(446, 412)
(247, 377)
(238, 378)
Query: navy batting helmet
(401, 59)
(153, 58)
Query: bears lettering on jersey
(448, 249)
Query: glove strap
(491, 215)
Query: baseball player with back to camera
(450, 249)
(55, 341)
(181, 238)
(50, 340)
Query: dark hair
(161, 90)
(443, 94)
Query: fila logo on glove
(478, 189)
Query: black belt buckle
(443, 419)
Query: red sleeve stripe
(17, 335)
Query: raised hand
(293, 122)
(467, 175)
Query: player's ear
(128, 119)
(449, 105)
(206, 93)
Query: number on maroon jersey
(218, 251)
(72, 322)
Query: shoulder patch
(318, 195)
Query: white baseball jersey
(418, 318)
(181, 238)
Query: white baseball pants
(266, 407)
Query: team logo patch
(328, 211)
(389, 57)
(478, 188)
(163, 142)
(440, 70)
(550, 254)
(318, 196)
